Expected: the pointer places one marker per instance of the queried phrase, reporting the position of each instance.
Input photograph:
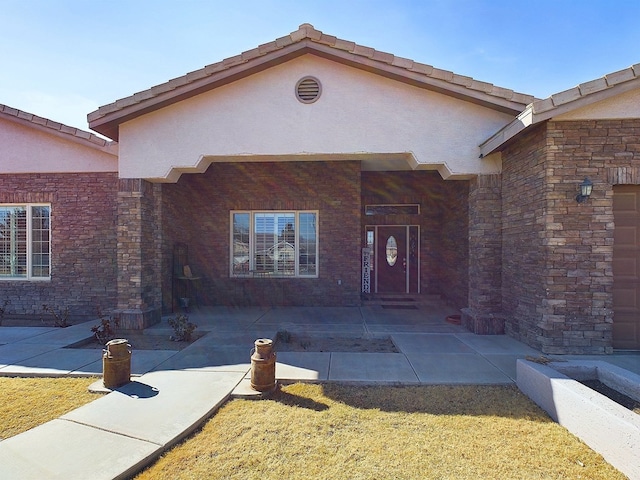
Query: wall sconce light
(586, 187)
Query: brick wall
(196, 211)
(442, 221)
(83, 224)
(453, 248)
(558, 254)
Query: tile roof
(304, 40)
(566, 101)
(60, 129)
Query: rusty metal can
(116, 363)
(263, 366)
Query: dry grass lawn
(344, 432)
(29, 402)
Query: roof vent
(308, 89)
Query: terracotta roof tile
(592, 86)
(620, 76)
(565, 101)
(249, 54)
(445, 75)
(383, 57)
(306, 32)
(588, 88)
(402, 62)
(566, 96)
(55, 127)
(283, 41)
(422, 68)
(344, 45)
(210, 69)
(269, 47)
(462, 80)
(543, 105)
(328, 40)
(363, 51)
(481, 86)
(502, 92)
(233, 61)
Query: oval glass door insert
(392, 251)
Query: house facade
(311, 169)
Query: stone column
(483, 316)
(139, 254)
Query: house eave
(306, 40)
(57, 129)
(564, 102)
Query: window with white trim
(274, 243)
(25, 241)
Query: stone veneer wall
(83, 236)
(570, 308)
(139, 253)
(196, 211)
(523, 246)
(442, 221)
(484, 315)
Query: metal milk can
(263, 366)
(116, 363)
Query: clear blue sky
(62, 59)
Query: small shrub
(283, 336)
(182, 328)
(3, 310)
(106, 329)
(61, 318)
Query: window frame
(30, 244)
(252, 272)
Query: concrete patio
(136, 423)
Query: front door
(396, 259)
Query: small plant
(61, 318)
(283, 336)
(182, 328)
(3, 310)
(106, 329)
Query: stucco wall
(26, 149)
(358, 113)
(196, 211)
(83, 243)
(625, 105)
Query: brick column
(139, 254)
(483, 316)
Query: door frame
(374, 264)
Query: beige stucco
(387, 123)
(625, 105)
(32, 149)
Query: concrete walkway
(116, 435)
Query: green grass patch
(348, 432)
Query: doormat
(400, 307)
(398, 299)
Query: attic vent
(308, 89)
